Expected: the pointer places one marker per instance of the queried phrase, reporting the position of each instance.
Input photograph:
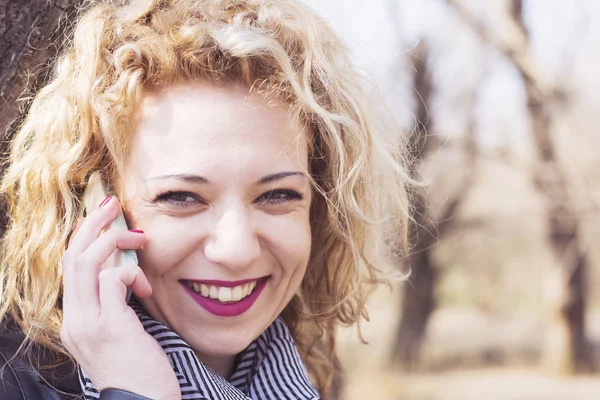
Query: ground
(369, 377)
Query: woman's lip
(232, 309)
(226, 283)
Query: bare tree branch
(512, 43)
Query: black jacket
(20, 381)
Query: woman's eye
(179, 199)
(279, 196)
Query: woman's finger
(69, 294)
(77, 225)
(113, 288)
(93, 225)
(89, 264)
(110, 241)
(85, 233)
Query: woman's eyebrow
(191, 178)
(197, 179)
(278, 176)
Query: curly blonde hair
(82, 122)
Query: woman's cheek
(167, 245)
(288, 234)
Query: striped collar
(269, 368)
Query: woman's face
(217, 180)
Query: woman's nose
(233, 242)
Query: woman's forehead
(208, 108)
(200, 127)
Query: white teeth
(237, 293)
(224, 294)
(204, 290)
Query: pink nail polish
(106, 200)
(136, 231)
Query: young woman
(261, 186)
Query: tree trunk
(567, 347)
(30, 34)
(418, 300)
(568, 322)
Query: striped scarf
(270, 368)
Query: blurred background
(500, 100)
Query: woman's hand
(99, 329)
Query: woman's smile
(226, 301)
(223, 291)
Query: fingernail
(136, 231)
(106, 200)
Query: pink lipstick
(230, 309)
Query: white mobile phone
(94, 193)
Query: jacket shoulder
(11, 387)
(19, 379)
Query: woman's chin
(221, 344)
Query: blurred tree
(30, 34)
(567, 349)
(418, 301)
